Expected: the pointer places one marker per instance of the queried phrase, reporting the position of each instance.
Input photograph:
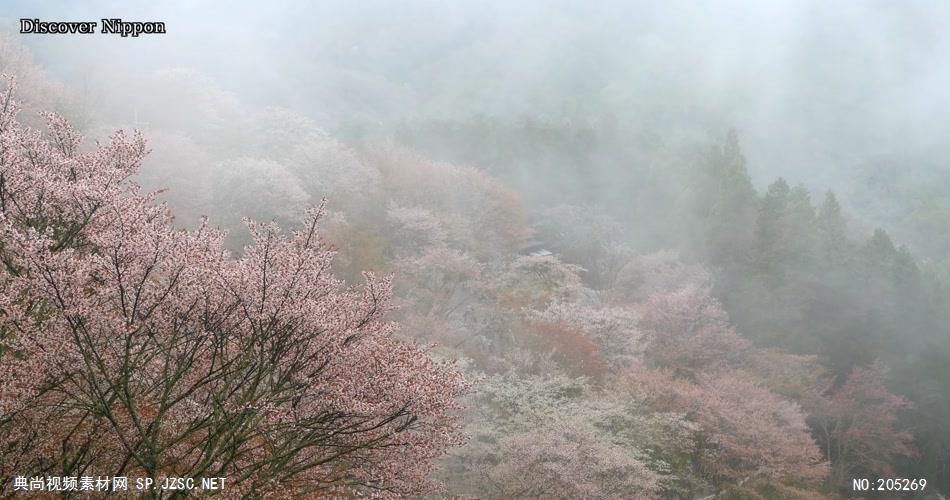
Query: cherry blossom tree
(543, 436)
(533, 282)
(586, 236)
(323, 166)
(754, 438)
(656, 273)
(613, 329)
(417, 229)
(688, 331)
(569, 346)
(749, 440)
(483, 216)
(858, 427)
(799, 378)
(129, 347)
(442, 283)
(568, 459)
(261, 189)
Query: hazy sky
(813, 86)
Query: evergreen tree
(725, 202)
(831, 228)
(798, 229)
(768, 233)
(905, 272)
(880, 249)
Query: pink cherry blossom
(129, 347)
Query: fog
(812, 87)
(665, 152)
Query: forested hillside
(420, 269)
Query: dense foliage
(803, 276)
(682, 334)
(131, 348)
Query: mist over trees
(532, 250)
